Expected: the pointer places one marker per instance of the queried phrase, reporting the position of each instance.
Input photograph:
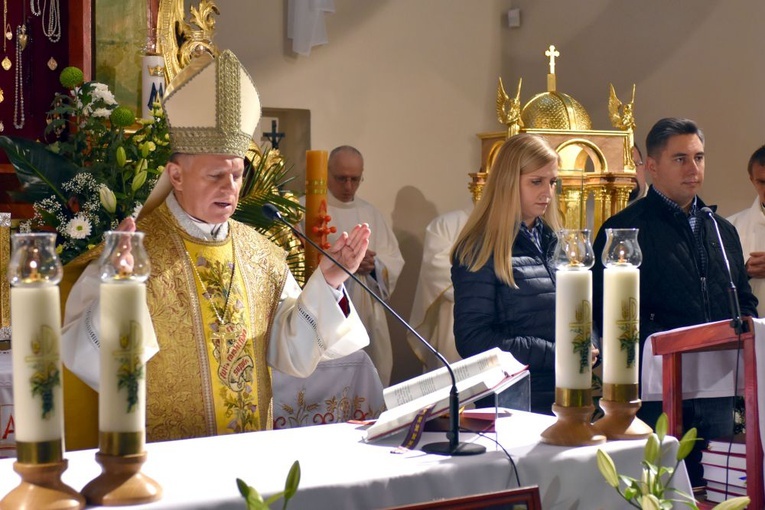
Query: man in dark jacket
(683, 278)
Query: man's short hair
(665, 129)
(344, 148)
(758, 157)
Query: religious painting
(120, 44)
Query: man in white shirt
(750, 224)
(382, 263)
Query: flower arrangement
(98, 169)
(653, 490)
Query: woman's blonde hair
(495, 221)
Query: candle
(315, 203)
(5, 255)
(621, 305)
(122, 392)
(37, 375)
(573, 328)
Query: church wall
(410, 83)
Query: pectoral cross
(552, 53)
(273, 136)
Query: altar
(339, 470)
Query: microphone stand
(735, 308)
(451, 447)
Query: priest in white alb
(433, 307)
(750, 225)
(383, 262)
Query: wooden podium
(714, 336)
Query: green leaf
(607, 468)
(662, 425)
(40, 171)
(686, 444)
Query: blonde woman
(504, 281)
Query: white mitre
(212, 107)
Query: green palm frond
(265, 178)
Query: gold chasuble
(212, 307)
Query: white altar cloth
(340, 471)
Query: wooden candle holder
(41, 487)
(121, 482)
(620, 420)
(573, 428)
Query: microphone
(451, 447)
(735, 308)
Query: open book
(477, 376)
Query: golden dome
(555, 110)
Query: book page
(425, 384)
(398, 418)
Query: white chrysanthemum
(102, 92)
(79, 227)
(101, 113)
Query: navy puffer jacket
(489, 313)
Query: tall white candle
(37, 376)
(573, 329)
(122, 409)
(621, 306)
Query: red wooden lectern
(714, 336)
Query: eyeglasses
(345, 179)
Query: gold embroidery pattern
(181, 401)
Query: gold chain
(221, 320)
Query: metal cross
(552, 53)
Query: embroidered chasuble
(210, 376)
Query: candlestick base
(573, 427)
(620, 420)
(121, 482)
(41, 487)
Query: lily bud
(121, 156)
(138, 180)
(108, 200)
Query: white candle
(37, 375)
(573, 329)
(621, 306)
(122, 409)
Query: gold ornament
(6, 63)
(52, 64)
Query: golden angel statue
(509, 110)
(621, 115)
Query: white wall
(411, 83)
